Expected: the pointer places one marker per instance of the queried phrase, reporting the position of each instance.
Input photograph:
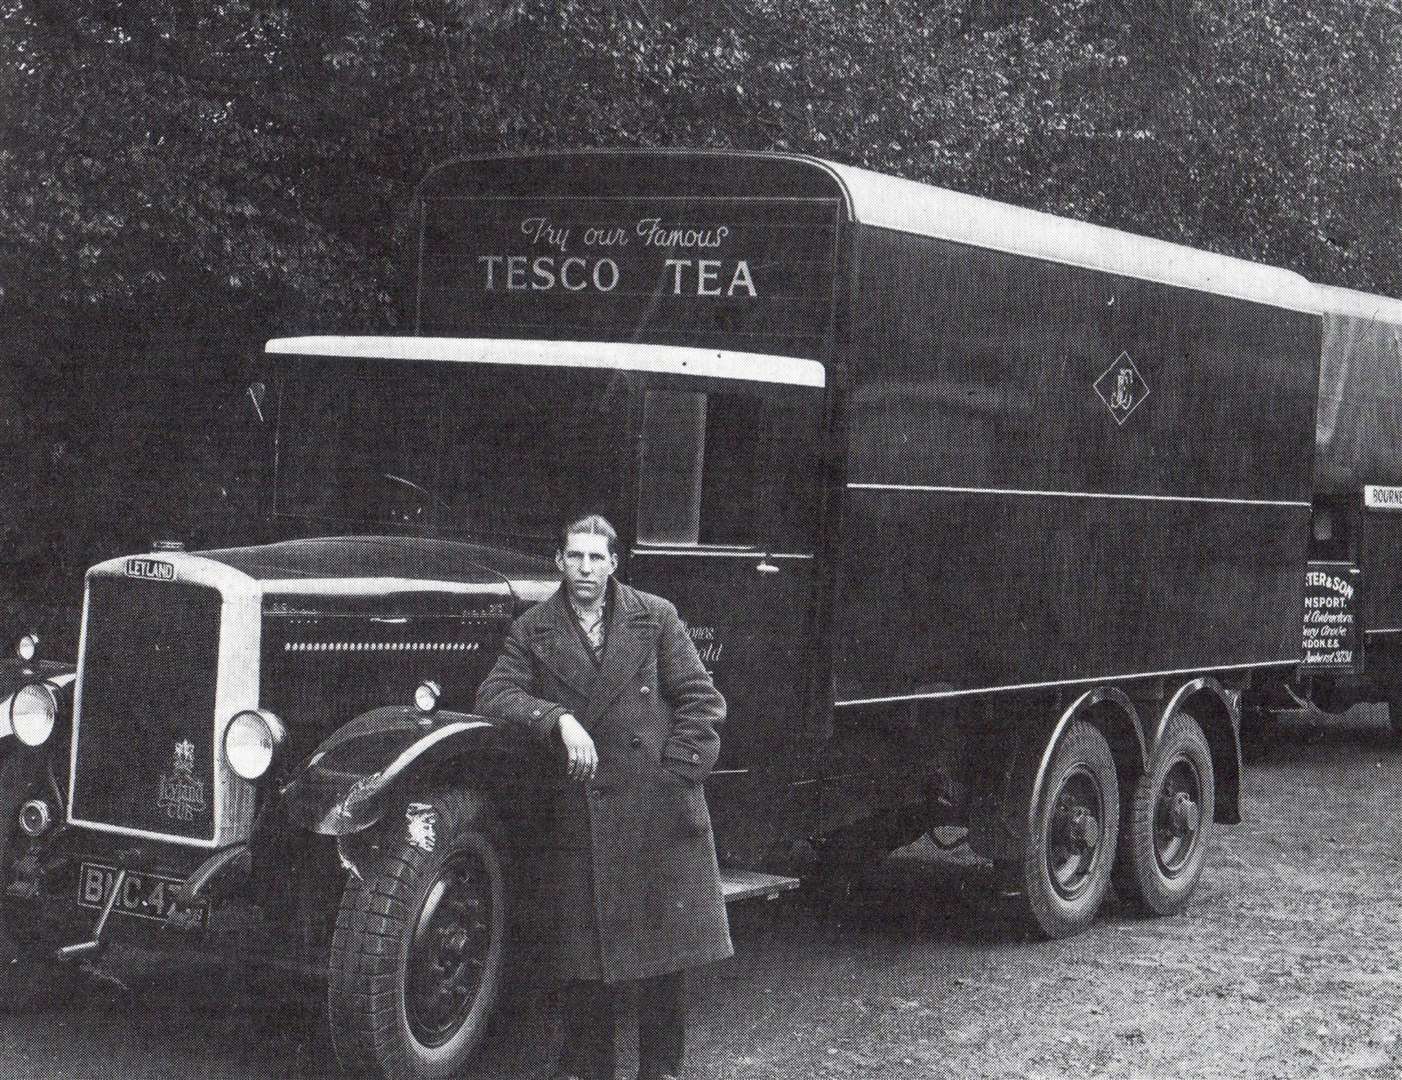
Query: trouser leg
(590, 1010)
(661, 1025)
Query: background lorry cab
(1353, 646)
(981, 519)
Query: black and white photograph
(639, 540)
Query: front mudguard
(346, 786)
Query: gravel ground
(1285, 965)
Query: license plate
(147, 896)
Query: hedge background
(181, 180)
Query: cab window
(729, 470)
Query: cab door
(729, 494)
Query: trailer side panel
(1058, 474)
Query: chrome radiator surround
(173, 781)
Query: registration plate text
(147, 896)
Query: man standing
(609, 674)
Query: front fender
(343, 787)
(15, 673)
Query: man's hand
(583, 759)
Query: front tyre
(418, 954)
(1170, 819)
(1058, 884)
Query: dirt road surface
(1286, 965)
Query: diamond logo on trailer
(1122, 388)
(181, 793)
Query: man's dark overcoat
(630, 865)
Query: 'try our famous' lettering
(604, 273)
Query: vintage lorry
(980, 517)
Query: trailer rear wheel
(1058, 884)
(1164, 846)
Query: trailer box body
(1074, 465)
(1056, 454)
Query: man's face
(586, 563)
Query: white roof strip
(602, 355)
(372, 586)
(892, 203)
(1334, 300)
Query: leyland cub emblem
(181, 791)
(1122, 388)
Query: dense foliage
(180, 180)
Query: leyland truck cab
(709, 462)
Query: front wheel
(1064, 872)
(418, 954)
(1170, 816)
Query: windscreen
(489, 451)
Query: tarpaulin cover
(1358, 431)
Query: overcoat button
(646, 690)
(636, 740)
(695, 757)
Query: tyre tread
(1136, 879)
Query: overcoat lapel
(632, 638)
(557, 646)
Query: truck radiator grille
(145, 726)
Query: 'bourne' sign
(754, 275)
(1382, 497)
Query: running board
(738, 885)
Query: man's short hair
(596, 524)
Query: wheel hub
(449, 949)
(1075, 828)
(1177, 817)
(1085, 830)
(1183, 816)
(1074, 834)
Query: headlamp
(33, 711)
(251, 742)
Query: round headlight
(251, 741)
(427, 695)
(33, 710)
(27, 647)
